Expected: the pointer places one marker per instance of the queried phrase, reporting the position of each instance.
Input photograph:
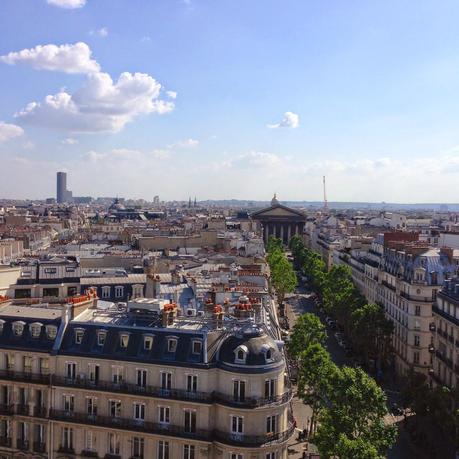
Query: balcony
(418, 299)
(22, 376)
(169, 430)
(22, 444)
(88, 453)
(176, 394)
(448, 362)
(22, 410)
(5, 441)
(253, 440)
(39, 447)
(66, 449)
(6, 409)
(386, 284)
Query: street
(299, 303)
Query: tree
(307, 330)
(352, 426)
(316, 373)
(371, 333)
(283, 278)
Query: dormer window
(147, 343)
(197, 347)
(268, 355)
(101, 335)
(268, 351)
(51, 331)
(35, 329)
(171, 345)
(124, 340)
(241, 354)
(2, 323)
(18, 328)
(79, 333)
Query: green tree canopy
(307, 330)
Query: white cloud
(9, 131)
(290, 120)
(68, 4)
(99, 105)
(102, 32)
(172, 94)
(66, 58)
(69, 141)
(187, 143)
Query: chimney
(218, 316)
(456, 289)
(168, 315)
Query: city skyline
(193, 98)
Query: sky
(224, 99)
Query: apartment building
(148, 380)
(446, 335)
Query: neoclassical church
(279, 221)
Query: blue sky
(231, 99)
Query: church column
(289, 232)
(296, 228)
(282, 232)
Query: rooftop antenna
(325, 196)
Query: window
(271, 424)
(2, 323)
(119, 291)
(9, 361)
(197, 347)
(190, 421)
(192, 383)
(138, 448)
(70, 370)
(236, 456)
(139, 411)
(417, 340)
(124, 340)
(171, 345)
(163, 449)
(94, 371)
(141, 378)
(137, 291)
(79, 333)
(106, 292)
(237, 424)
(417, 310)
(69, 269)
(44, 366)
(166, 381)
(271, 455)
(113, 444)
(270, 388)
(89, 440)
(27, 361)
(91, 406)
(189, 452)
(101, 335)
(51, 331)
(164, 414)
(35, 329)
(269, 355)
(68, 402)
(67, 438)
(148, 343)
(416, 358)
(114, 408)
(241, 354)
(239, 390)
(117, 374)
(50, 270)
(18, 328)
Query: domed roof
(117, 205)
(257, 349)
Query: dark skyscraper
(62, 194)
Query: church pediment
(277, 211)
